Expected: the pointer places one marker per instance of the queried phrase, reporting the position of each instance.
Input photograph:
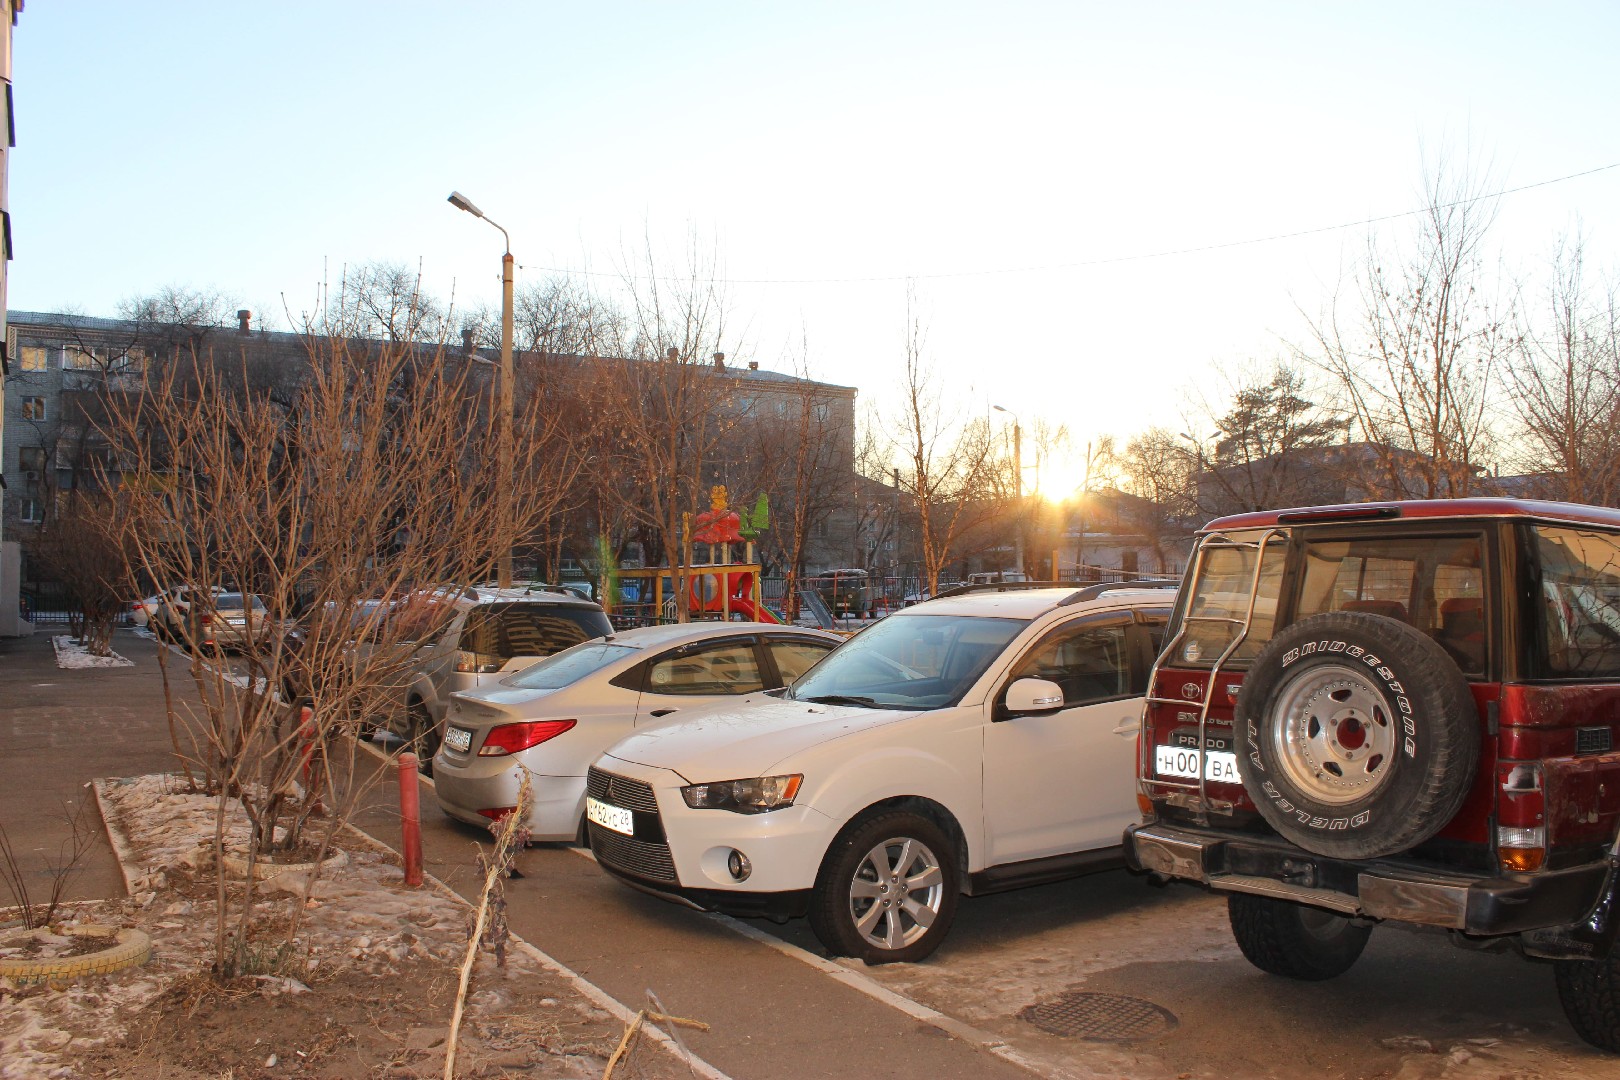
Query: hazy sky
(1028, 164)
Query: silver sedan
(553, 719)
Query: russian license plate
(457, 738)
(616, 818)
(1220, 765)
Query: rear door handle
(662, 712)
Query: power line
(1115, 260)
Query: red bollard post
(410, 816)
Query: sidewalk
(60, 729)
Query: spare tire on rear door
(1358, 735)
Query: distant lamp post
(503, 494)
(1018, 487)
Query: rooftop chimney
(719, 361)
(466, 339)
(753, 365)
(243, 318)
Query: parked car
(971, 744)
(556, 717)
(494, 633)
(848, 592)
(1398, 713)
(227, 621)
(169, 618)
(144, 610)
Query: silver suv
(494, 633)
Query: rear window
(1432, 583)
(1579, 609)
(568, 666)
(508, 630)
(233, 602)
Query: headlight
(756, 796)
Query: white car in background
(969, 744)
(555, 717)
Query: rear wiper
(843, 699)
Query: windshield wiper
(843, 699)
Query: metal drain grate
(1100, 1017)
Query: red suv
(1404, 713)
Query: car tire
(1358, 734)
(1292, 940)
(1589, 991)
(858, 908)
(424, 737)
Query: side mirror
(1034, 696)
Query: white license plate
(458, 738)
(616, 818)
(1221, 765)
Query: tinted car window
(1089, 661)
(568, 666)
(1579, 610)
(721, 668)
(910, 661)
(794, 658)
(508, 630)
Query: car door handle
(1128, 727)
(662, 712)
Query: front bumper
(682, 854)
(1394, 889)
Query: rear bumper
(1397, 890)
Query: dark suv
(1401, 712)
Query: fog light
(739, 866)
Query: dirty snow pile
(71, 654)
(354, 917)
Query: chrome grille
(620, 791)
(636, 857)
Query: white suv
(971, 744)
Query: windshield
(568, 666)
(909, 662)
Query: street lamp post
(1018, 487)
(503, 494)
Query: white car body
(1027, 797)
(605, 704)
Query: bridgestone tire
(1589, 991)
(1358, 737)
(859, 895)
(1292, 940)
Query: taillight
(477, 663)
(1521, 816)
(510, 738)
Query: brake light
(510, 738)
(478, 663)
(1521, 816)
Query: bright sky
(1024, 162)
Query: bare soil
(353, 975)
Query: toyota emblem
(1191, 691)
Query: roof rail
(1091, 592)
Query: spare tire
(1359, 735)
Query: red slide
(756, 612)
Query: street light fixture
(1018, 486)
(503, 496)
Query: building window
(33, 357)
(33, 408)
(79, 359)
(31, 460)
(33, 511)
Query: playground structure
(717, 587)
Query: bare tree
(1564, 377)
(1417, 358)
(952, 471)
(83, 545)
(384, 300)
(1157, 468)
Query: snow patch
(71, 654)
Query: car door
(1065, 781)
(689, 677)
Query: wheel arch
(923, 807)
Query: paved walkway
(60, 729)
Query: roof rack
(1089, 592)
